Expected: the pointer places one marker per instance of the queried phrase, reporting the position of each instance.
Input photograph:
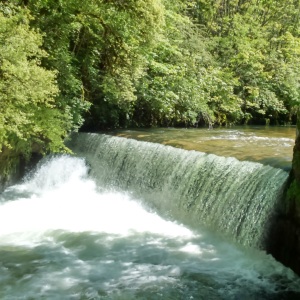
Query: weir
(237, 199)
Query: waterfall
(237, 199)
(66, 235)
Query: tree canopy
(73, 64)
(29, 118)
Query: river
(265, 144)
(70, 230)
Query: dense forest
(71, 64)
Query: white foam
(110, 242)
(66, 200)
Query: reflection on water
(267, 145)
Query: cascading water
(237, 198)
(64, 235)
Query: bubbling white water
(64, 198)
(61, 237)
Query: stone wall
(284, 242)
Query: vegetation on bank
(71, 64)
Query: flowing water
(238, 198)
(268, 145)
(111, 226)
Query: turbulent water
(64, 237)
(239, 199)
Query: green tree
(258, 42)
(183, 84)
(29, 118)
(98, 48)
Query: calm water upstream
(268, 145)
(112, 223)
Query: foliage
(29, 120)
(167, 62)
(72, 64)
(183, 85)
(98, 48)
(258, 41)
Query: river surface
(271, 145)
(64, 236)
